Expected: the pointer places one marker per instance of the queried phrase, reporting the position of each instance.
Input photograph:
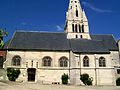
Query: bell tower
(76, 21)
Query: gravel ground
(37, 86)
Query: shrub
(13, 74)
(118, 81)
(65, 78)
(86, 79)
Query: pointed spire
(74, 10)
(84, 16)
(76, 21)
(73, 3)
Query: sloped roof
(39, 41)
(59, 42)
(88, 46)
(108, 41)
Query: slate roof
(88, 46)
(39, 41)
(108, 41)
(59, 42)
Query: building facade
(44, 57)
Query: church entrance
(31, 74)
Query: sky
(50, 15)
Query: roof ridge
(36, 31)
(85, 39)
(101, 34)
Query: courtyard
(37, 86)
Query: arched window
(1, 61)
(73, 27)
(76, 28)
(16, 60)
(79, 28)
(63, 62)
(46, 61)
(86, 61)
(82, 28)
(102, 62)
(76, 13)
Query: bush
(86, 79)
(13, 74)
(118, 81)
(65, 78)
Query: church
(45, 56)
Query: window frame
(73, 28)
(79, 28)
(86, 62)
(83, 29)
(16, 60)
(47, 61)
(77, 13)
(76, 28)
(102, 62)
(64, 61)
(118, 71)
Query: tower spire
(74, 6)
(76, 21)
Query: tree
(13, 74)
(118, 81)
(65, 78)
(3, 33)
(86, 79)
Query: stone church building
(45, 56)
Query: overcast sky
(49, 15)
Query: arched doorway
(1, 62)
(31, 74)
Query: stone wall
(43, 74)
(100, 75)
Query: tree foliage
(13, 74)
(65, 78)
(2, 34)
(118, 81)
(86, 79)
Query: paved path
(36, 86)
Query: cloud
(59, 28)
(86, 4)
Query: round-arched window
(86, 61)
(16, 60)
(47, 61)
(63, 62)
(102, 62)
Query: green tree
(118, 81)
(2, 34)
(86, 79)
(13, 74)
(65, 78)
